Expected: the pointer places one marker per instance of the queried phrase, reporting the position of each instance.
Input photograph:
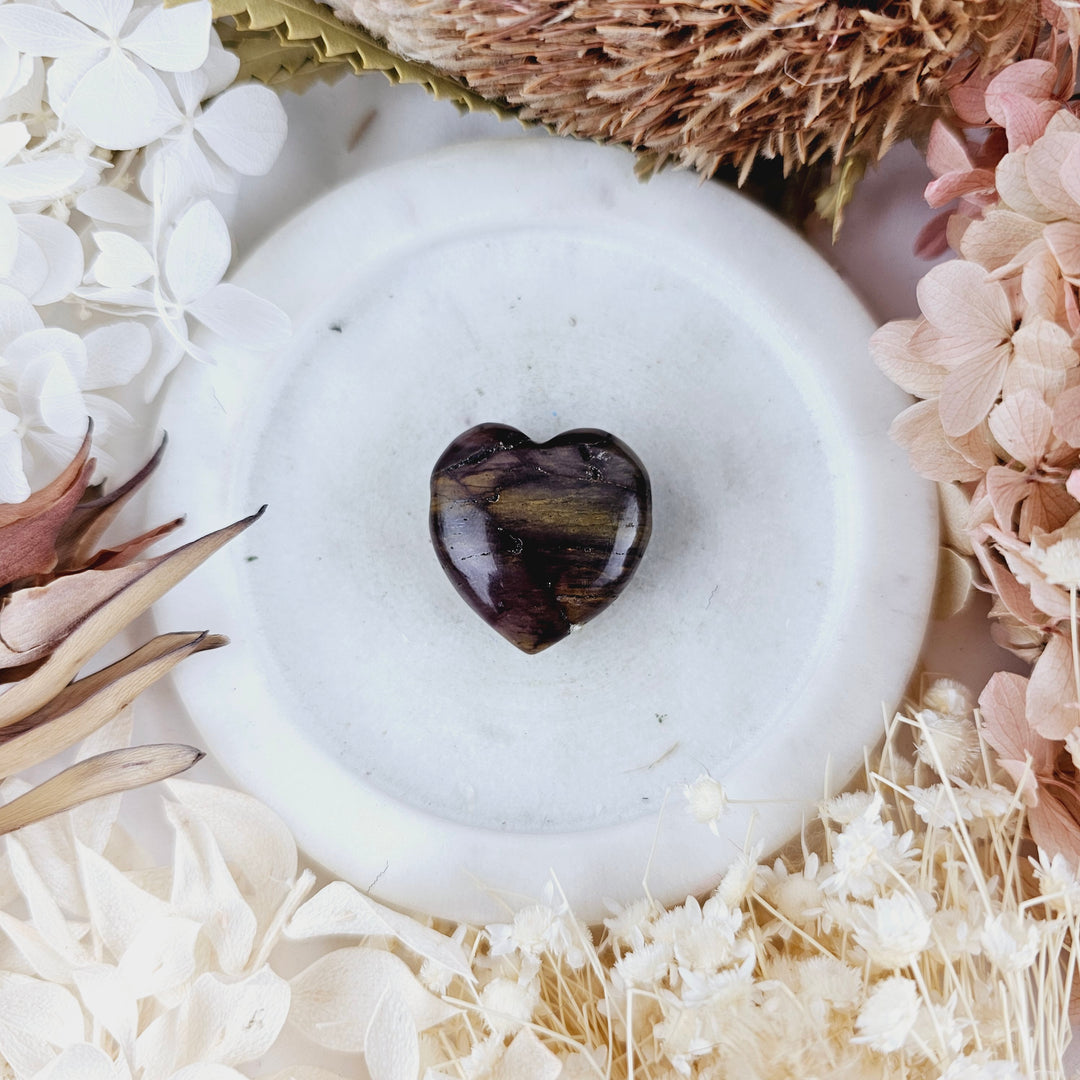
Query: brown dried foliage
(713, 83)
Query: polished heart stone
(539, 538)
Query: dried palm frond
(61, 599)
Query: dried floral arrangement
(993, 359)
(919, 935)
(62, 598)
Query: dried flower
(706, 800)
(946, 743)
(889, 1014)
(894, 931)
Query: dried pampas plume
(717, 82)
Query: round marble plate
(781, 602)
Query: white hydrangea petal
(109, 1000)
(49, 342)
(111, 206)
(169, 345)
(27, 99)
(17, 316)
(36, 1019)
(115, 105)
(39, 31)
(220, 67)
(253, 839)
(47, 178)
(246, 128)
(336, 997)
(117, 907)
(14, 486)
(207, 1072)
(241, 317)
(341, 909)
(161, 955)
(115, 354)
(14, 135)
(52, 851)
(391, 1045)
(65, 74)
(204, 890)
(108, 16)
(41, 958)
(62, 252)
(220, 1021)
(9, 239)
(47, 388)
(173, 38)
(83, 1061)
(190, 88)
(30, 269)
(123, 262)
(198, 252)
(45, 913)
(16, 70)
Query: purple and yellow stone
(539, 538)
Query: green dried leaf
(332, 40)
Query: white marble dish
(781, 602)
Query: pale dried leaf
(204, 890)
(340, 909)
(955, 580)
(103, 623)
(83, 706)
(335, 998)
(106, 774)
(1051, 707)
(255, 842)
(391, 1045)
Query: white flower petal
(336, 997)
(17, 316)
(391, 1045)
(220, 68)
(45, 913)
(246, 128)
(41, 32)
(62, 253)
(173, 38)
(161, 956)
(123, 262)
(79, 1062)
(30, 269)
(241, 317)
(339, 909)
(204, 890)
(254, 840)
(49, 343)
(115, 105)
(14, 487)
(43, 960)
(9, 239)
(108, 16)
(109, 1000)
(218, 1022)
(59, 401)
(66, 73)
(112, 206)
(14, 135)
(198, 252)
(118, 908)
(207, 1072)
(36, 1019)
(115, 354)
(46, 178)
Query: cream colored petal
(971, 389)
(1041, 285)
(1063, 240)
(993, 241)
(1022, 425)
(959, 299)
(891, 351)
(1051, 705)
(1012, 185)
(918, 430)
(1044, 170)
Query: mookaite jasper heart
(539, 538)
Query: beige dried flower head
(947, 744)
(706, 800)
(711, 84)
(948, 697)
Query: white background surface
(359, 124)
